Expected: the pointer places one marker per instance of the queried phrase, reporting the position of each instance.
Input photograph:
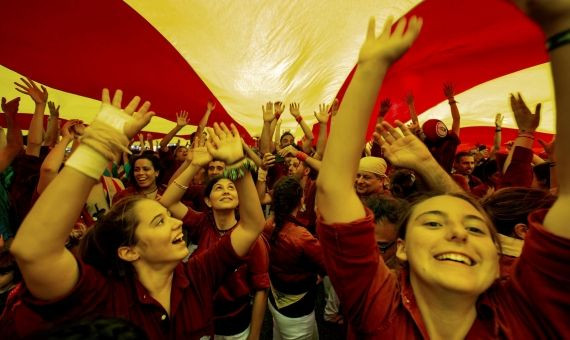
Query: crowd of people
(104, 237)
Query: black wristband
(557, 40)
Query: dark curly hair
(287, 194)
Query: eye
(475, 230)
(432, 224)
(160, 221)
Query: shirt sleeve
(365, 287)
(193, 222)
(258, 265)
(519, 172)
(541, 275)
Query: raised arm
(303, 157)
(204, 120)
(406, 150)
(14, 140)
(294, 109)
(50, 271)
(36, 130)
(52, 130)
(450, 94)
(226, 146)
(54, 159)
(181, 121)
(498, 136)
(336, 198)
(323, 118)
(251, 154)
(265, 139)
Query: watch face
(441, 129)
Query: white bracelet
(87, 161)
(112, 116)
(261, 175)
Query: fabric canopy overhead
(241, 54)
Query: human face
(287, 140)
(160, 238)
(466, 165)
(448, 245)
(181, 153)
(145, 174)
(297, 169)
(223, 195)
(368, 183)
(215, 168)
(385, 235)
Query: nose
(359, 180)
(177, 224)
(456, 232)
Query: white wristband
(261, 175)
(87, 161)
(112, 116)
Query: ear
(207, 201)
(520, 230)
(401, 250)
(307, 171)
(128, 254)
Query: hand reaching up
(53, 110)
(389, 46)
(268, 114)
(182, 118)
(137, 120)
(294, 109)
(526, 121)
(31, 89)
(10, 108)
(279, 108)
(323, 115)
(498, 120)
(225, 144)
(402, 149)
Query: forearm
(265, 139)
(275, 132)
(307, 131)
(313, 163)
(536, 159)
(52, 163)
(496, 142)
(257, 314)
(203, 123)
(456, 124)
(174, 193)
(261, 185)
(168, 137)
(35, 132)
(251, 216)
(251, 154)
(52, 131)
(436, 177)
(322, 141)
(523, 141)
(413, 113)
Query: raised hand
(210, 106)
(288, 150)
(10, 108)
(138, 119)
(548, 148)
(414, 128)
(294, 109)
(53, 110)
(385, 106)
(279, 108)
(498, 120)
(199, 155)
(402, 149)
(526, 121)
(31, 89)
(324, 114)
(68, 129)
(182, 118)
(388, 47)
(448, 90)
(268, 161)
(225, 144)
(268, 114)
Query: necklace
(150, 193)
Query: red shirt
(308, 216)
(519, 173)
(534, 302)
(234, 295)
(444, 150)
(296, 258)
(95, 295)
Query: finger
(24, 92)
(400, 27)
(33, 84)
(131, 107)
(225, 129)
(211, 148)
(22, 86)
(370, 33)
(234, 130)
(117, 98)
(44, 90)
(405, 130)
(537, 110)
(25, 81)
(521, 101)
(3, 101)
(105, 96)
(144, 108)
(215, 135)
(387, 27)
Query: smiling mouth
(456, 257)
(179, 239)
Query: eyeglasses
(384, 246)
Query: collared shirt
(191, 309)
(533, 302)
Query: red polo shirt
(233, 297)
(95, 295)
(533, 302)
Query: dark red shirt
(519, 173)
(532, 303)
(234, 295)
(95, 295)
(307, 214)
(444, 150)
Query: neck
(157, 280)
(446, 315)
(150, 189)
(225, 219)
(303, 181)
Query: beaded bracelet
(180, 186)
(299, 119)
(238, 169)
(557, 40)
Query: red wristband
(277, 115)
(301, 156)
(299, 118)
